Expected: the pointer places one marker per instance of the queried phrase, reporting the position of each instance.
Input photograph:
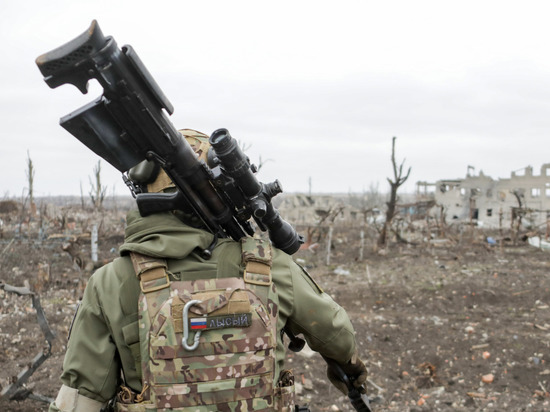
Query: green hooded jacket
(103, 345)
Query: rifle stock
(129, 123)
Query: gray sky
(319, 88)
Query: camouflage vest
(209, 344)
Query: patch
(214, 304)
(198, 323)
(235, 320)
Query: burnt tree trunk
(398, 180)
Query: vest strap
(256, 256)
(257, 250)
(151, 272)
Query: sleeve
(324, 324)
(91, 364)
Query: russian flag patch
(198, 323)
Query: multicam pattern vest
(209, 344)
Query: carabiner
(186, 327)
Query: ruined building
(306, 210)
(495, 203)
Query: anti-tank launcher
(129, 123)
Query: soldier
(184, 321)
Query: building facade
(496, 203)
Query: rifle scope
(258, 195)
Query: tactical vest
(209, 344)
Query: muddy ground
(457, 327)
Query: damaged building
(495, 203)
(306, 210)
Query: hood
(162, 235)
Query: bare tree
(372, 204)
(261, 162)
(398, 180)
(517, 214)
(30, 172)
(97, 191)
(374, 198)
(368, 202)
(326, 219)
(82, 201)
(244, 145)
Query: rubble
(425, 315)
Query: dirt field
(443, 329)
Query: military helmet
(149, 174)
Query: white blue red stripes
(198, 323)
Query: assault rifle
(129, 124)
(360, 401)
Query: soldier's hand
(356, 371)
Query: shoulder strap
(153, 278)
(151, 272)
(155, 288)
(257, 259)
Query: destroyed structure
(523, 200)
(490, 203)
(305, 210)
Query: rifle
(128, 123)
(360, 401)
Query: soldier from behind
(187, 321)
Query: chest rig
(209, 344)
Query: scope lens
(220, 138)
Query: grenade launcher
(129, 124)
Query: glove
(354, 369)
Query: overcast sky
(318, 88)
